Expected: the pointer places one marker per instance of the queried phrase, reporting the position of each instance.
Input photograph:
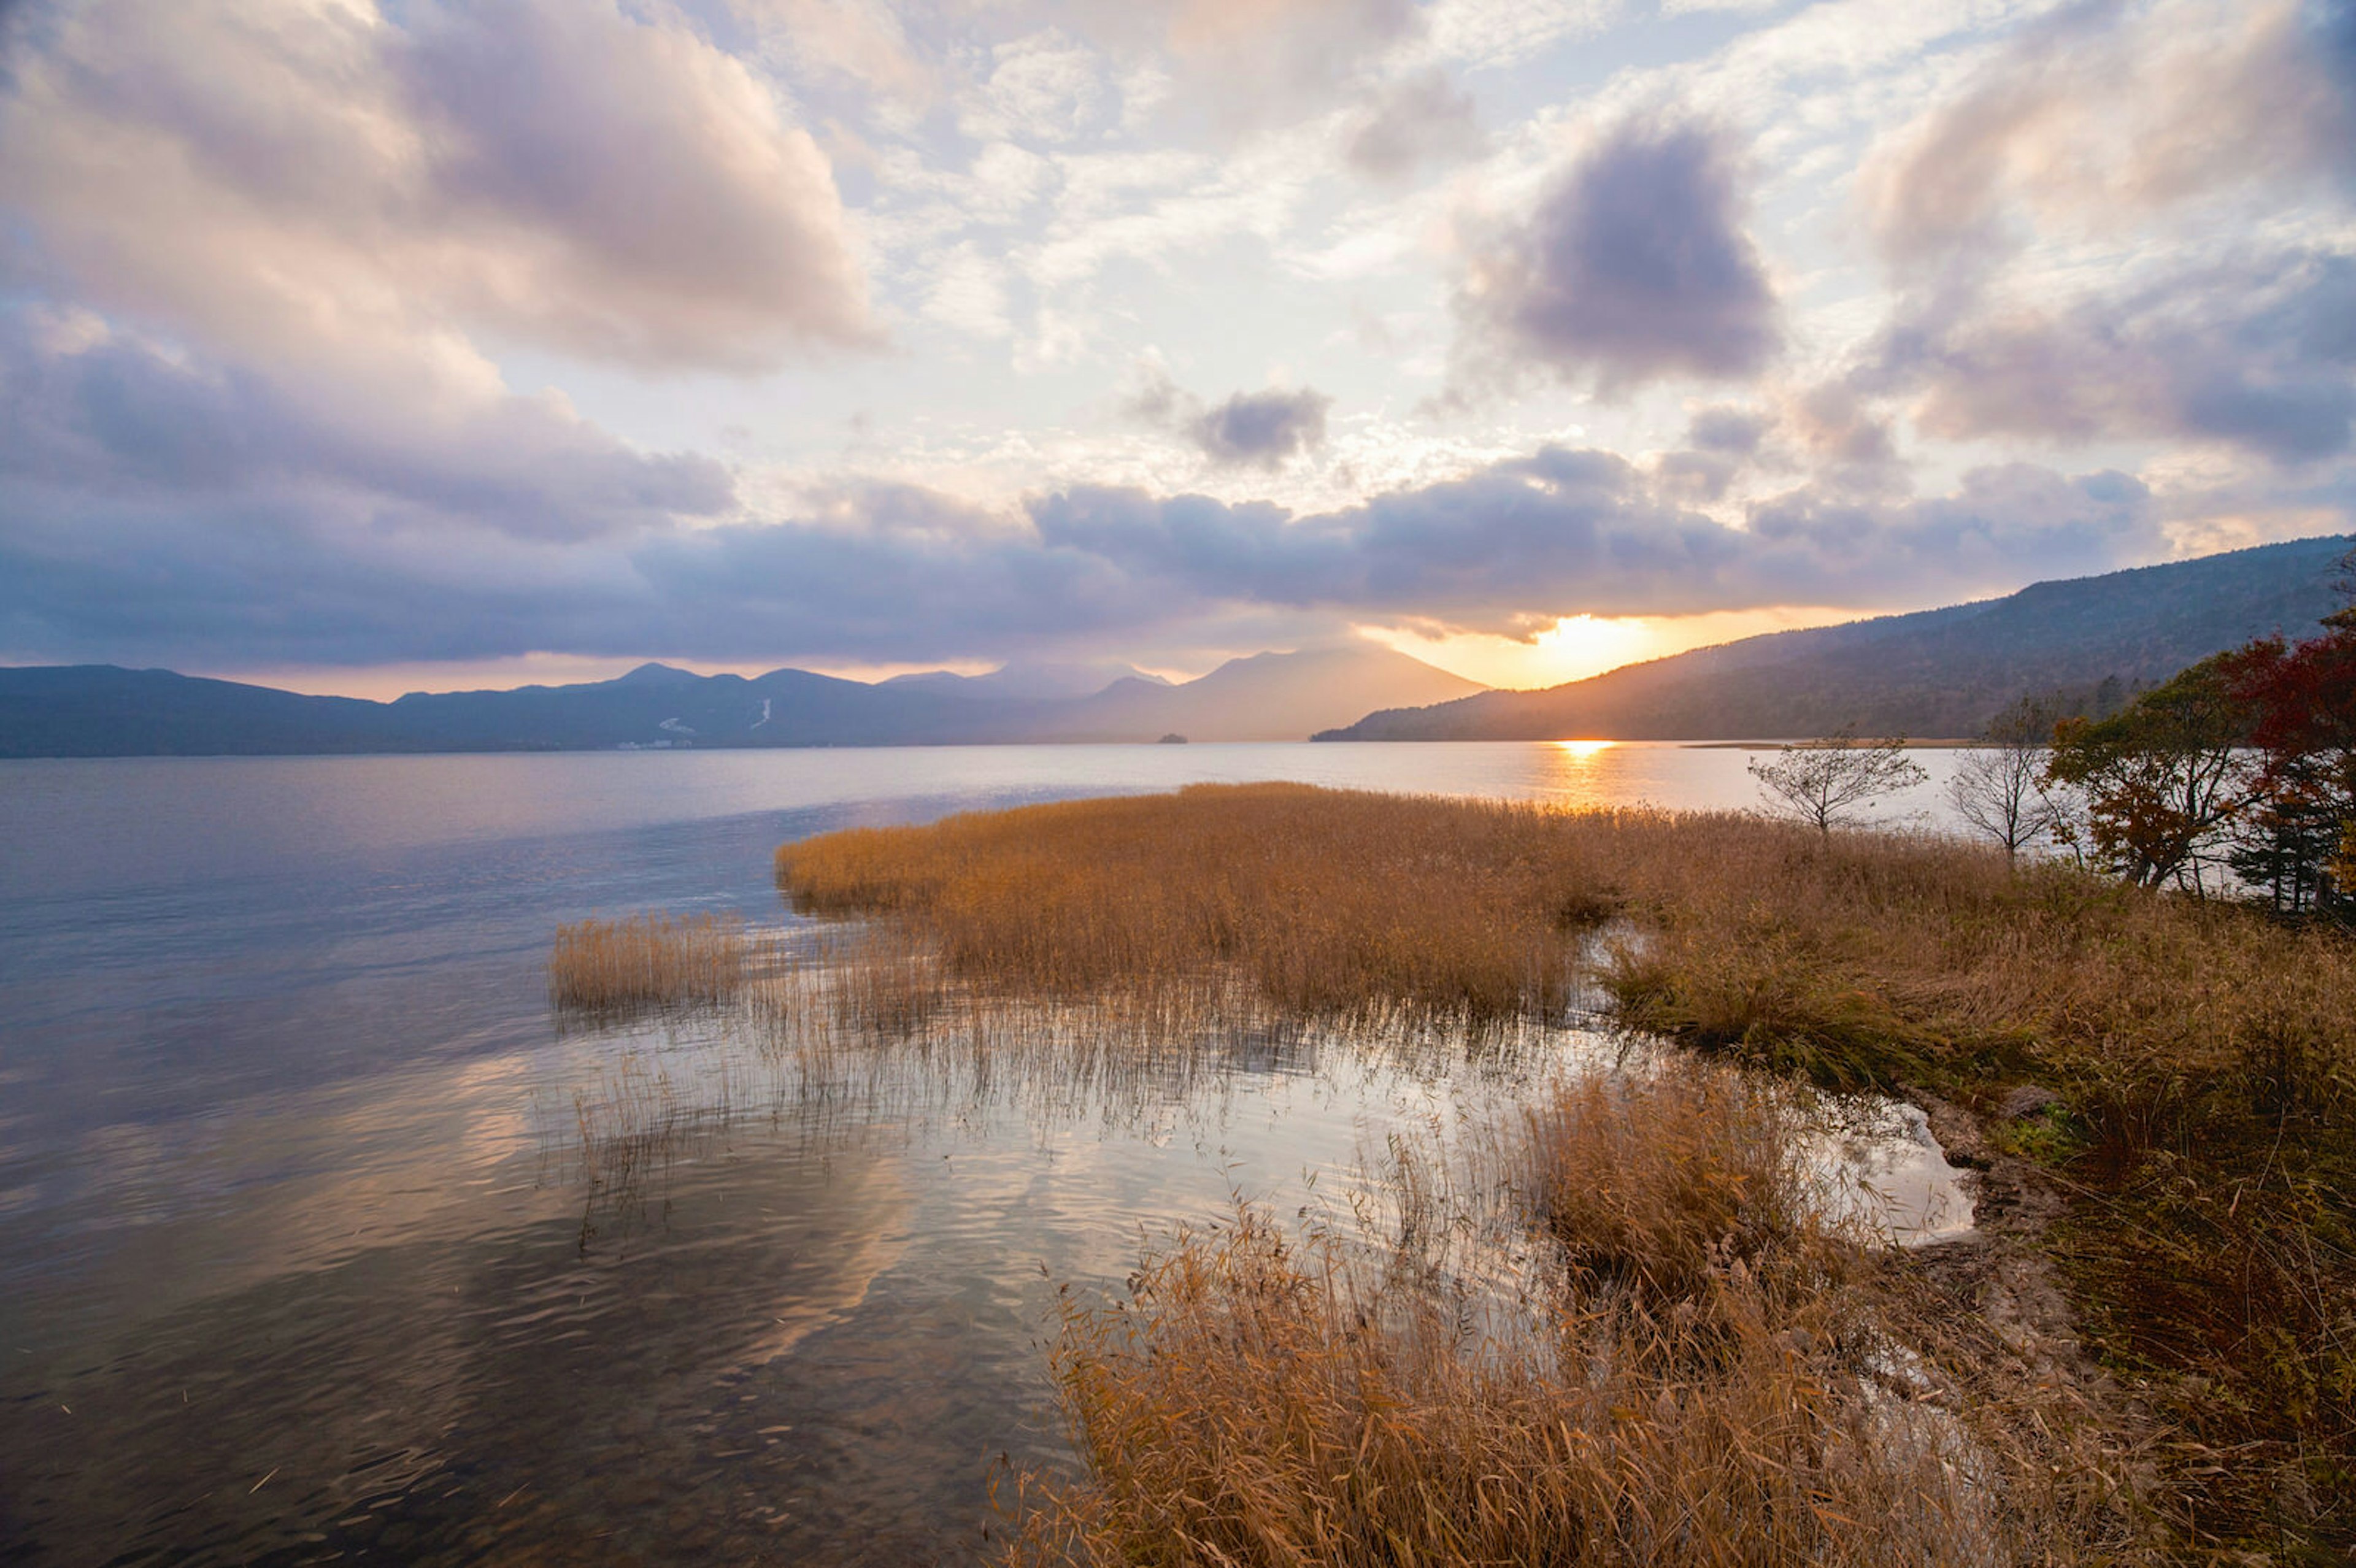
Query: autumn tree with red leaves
(2299, 841)
(2246, 759)
(2164, 781)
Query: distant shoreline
(1912, 745)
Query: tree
(2164, 779)
(2299, 841)
(1998, 785)
(1825, 780)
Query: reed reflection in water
(297, 1256)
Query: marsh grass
(647, 961)
(1576, 1234)
(2205, 1054)
(1704, 1372)
(1323, 902)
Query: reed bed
(647, 961)
(2203, 1054)
(1707, 1375)
(1326, 901)
(861, 1029)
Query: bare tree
(1824, 781)
(1998, 786)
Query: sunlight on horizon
(1577, 647)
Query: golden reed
(647, 961)
(2204, 1055)
(1713, 1378)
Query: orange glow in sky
(1576, 646)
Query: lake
(313, 1240)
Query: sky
(365, 348)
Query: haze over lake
(298, 1251)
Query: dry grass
(647, 961)
(1326, 901)
(1707, 1377)
(2206, 1056)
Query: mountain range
(91, 711)
(1936, 673)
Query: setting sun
(1578, 646)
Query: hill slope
(1934, 673)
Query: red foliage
(2301, 698)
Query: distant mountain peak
(1029, 680)
(656, 673)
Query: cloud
(339, 186)
(1727, 429)
(666, 212)
(2258, 354)
(1634, 267)
(2101, 116)
(2121, 229)
(861, 40)
(1263, 430)
(1255, 429)
(1253, 60)
(1513, 547)
(924, 576)
(98, 413)
(1425, 118)
(1847, 436)
(1695, 478)
(1044, 88)
(969, 292)
(2002, 526)
(258, 567)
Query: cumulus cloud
(1263, 430)
(2259, 354)
(1727, 429)
(2100, 114)
(1695, 478)
(1845, 435)
(2001, 524)
(1510, 548)
(97, 413)
(1424, 120)
(922, 576)
(2195, 131)
(1634, 267)
(1255, 429)
(340, 182)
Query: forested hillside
(1936, 673)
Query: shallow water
(299, 1253)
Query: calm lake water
(299, 1255)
